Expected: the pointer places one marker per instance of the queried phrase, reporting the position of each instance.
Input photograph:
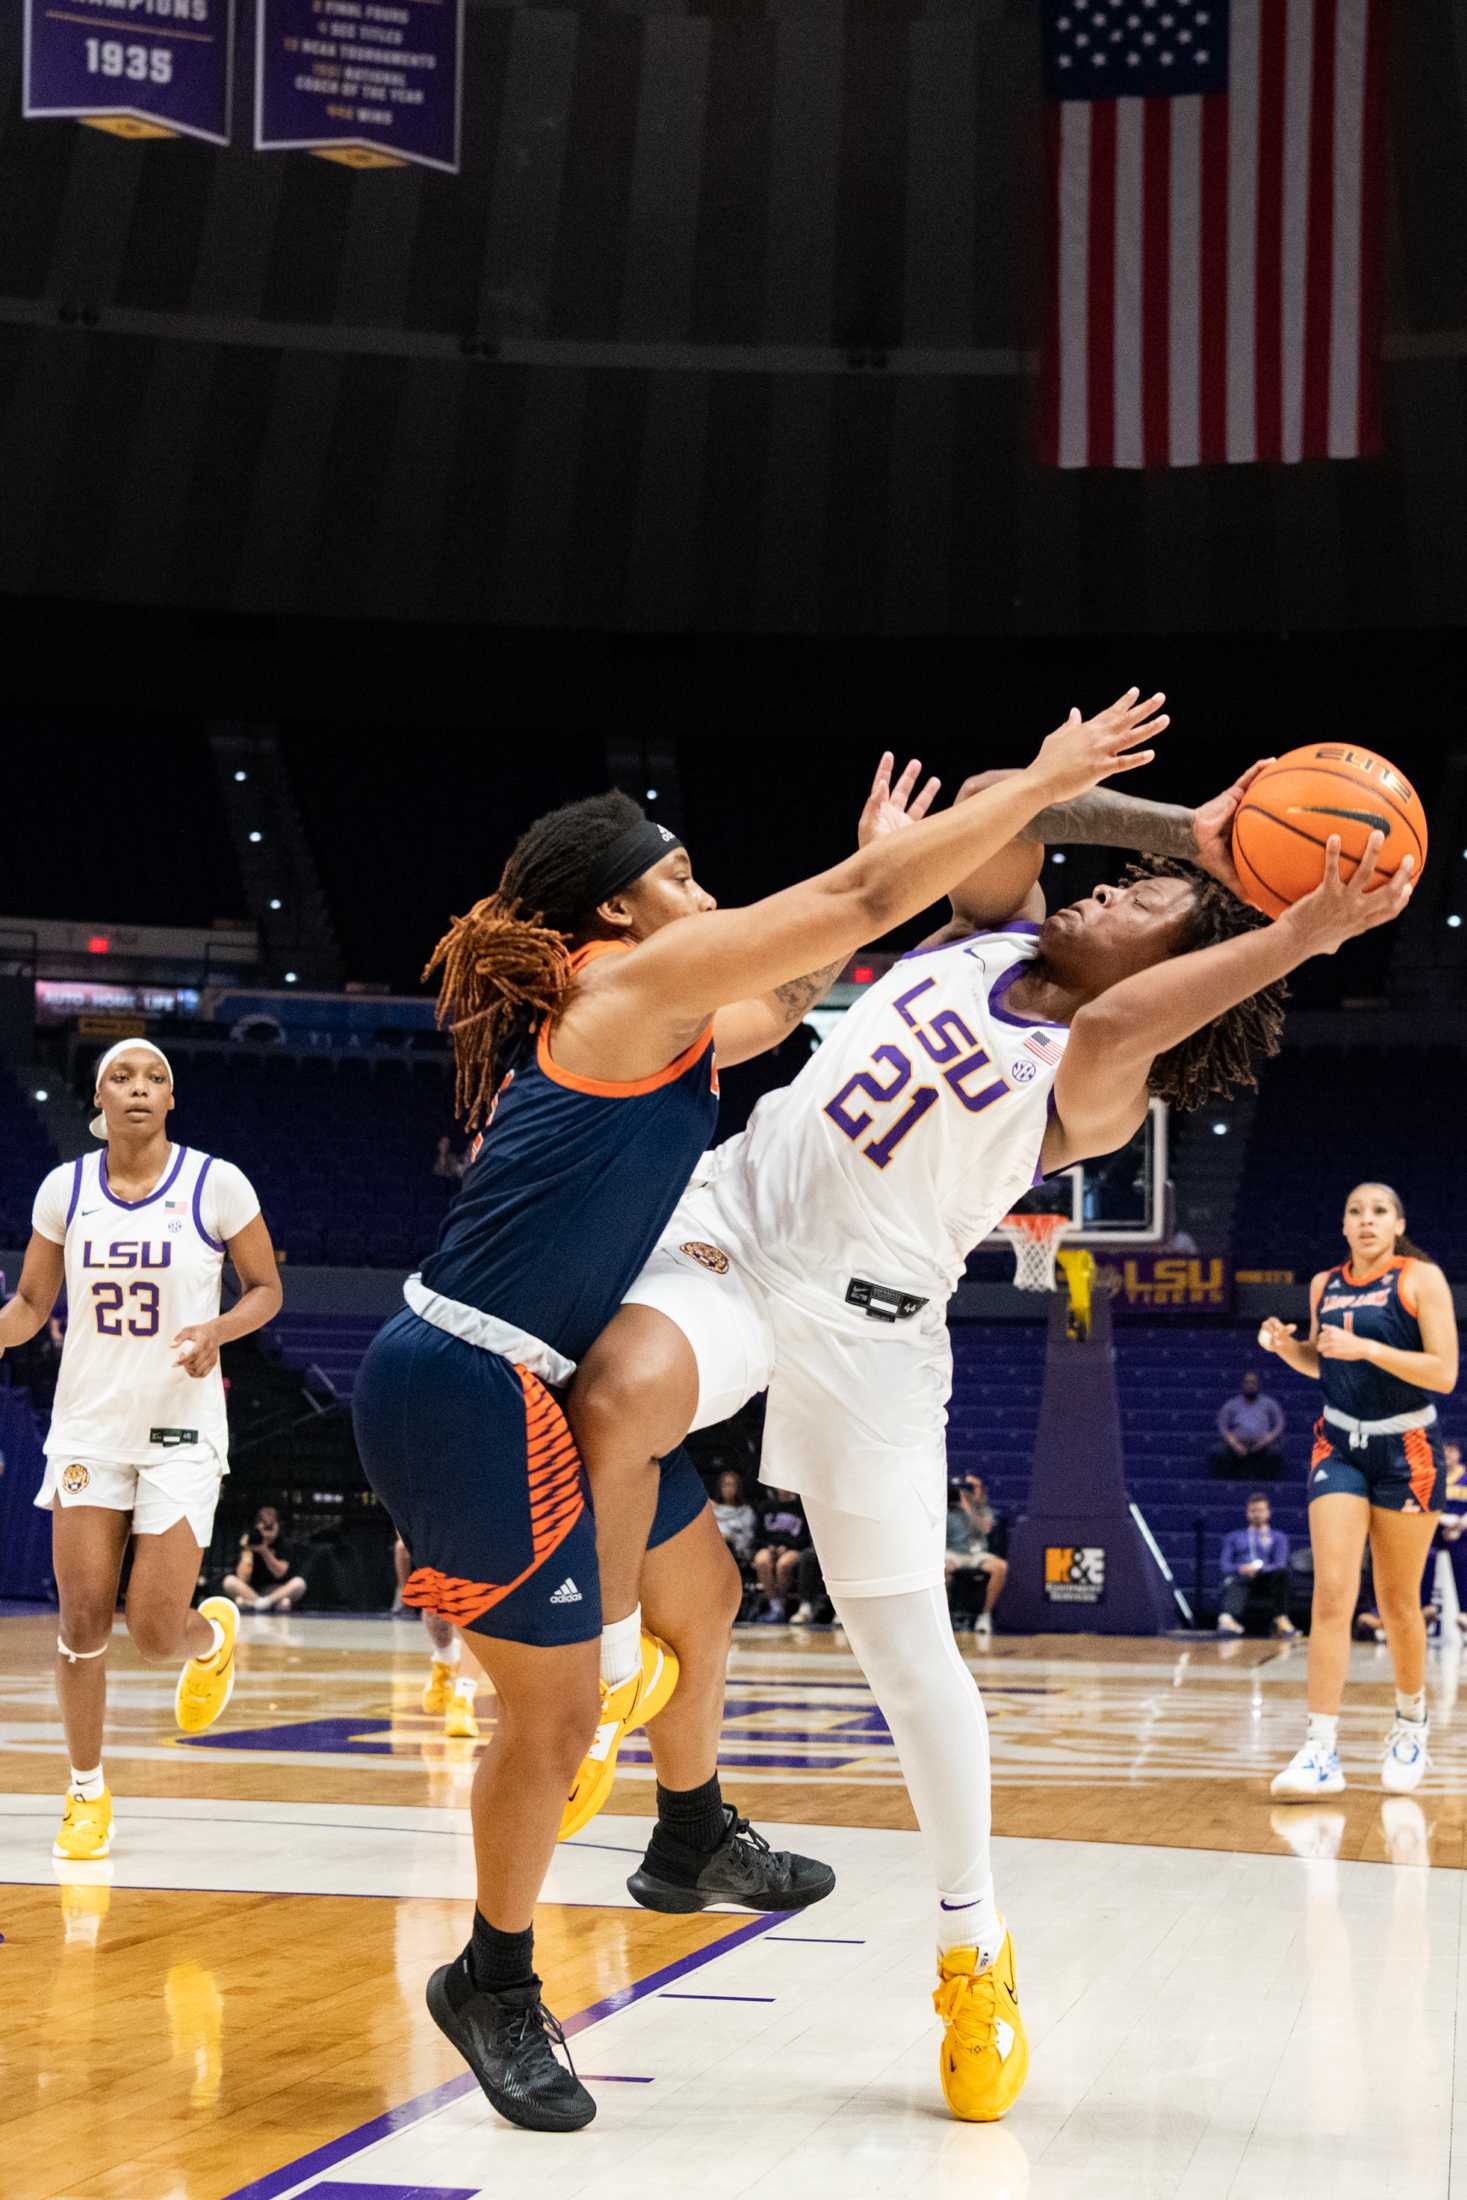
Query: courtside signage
(1074, 1573)
(137, 68)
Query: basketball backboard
(1118, 1200)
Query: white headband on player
(99, 1122)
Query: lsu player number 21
(138, 1443)
(814, 1256)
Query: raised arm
(689, 969)
(40, 1280)
(746, 1028)
(1101, 1089)
(1007, 886)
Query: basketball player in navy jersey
(590, 996)
(1383, 1347)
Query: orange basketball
(1292, 808)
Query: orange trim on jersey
(557, 1501)
(1401, 1294)
(1323, 1446)
(603, 1088)
(1417, 1447)
(1359, 1283)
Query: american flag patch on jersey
(1049, 1050)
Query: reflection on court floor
(232, 2004)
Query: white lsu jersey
(138, 1271)
(908, 1135)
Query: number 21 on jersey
(948, 1045)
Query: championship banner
(370, 83)
(1169, 1283)
(139, 68)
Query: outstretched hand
(1273, 1334)
(1213, 825)
(888, 808)
(1083, 751)
(1339, 907)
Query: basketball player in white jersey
(814, 1256)
(138, 1443)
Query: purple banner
(1170, 1283)
(140, 68)
(371, 83)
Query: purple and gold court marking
(411, 2112)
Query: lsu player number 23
(138, 1441)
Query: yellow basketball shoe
(206, 1684)
(630, 1704)
(985, 2050)
(458, 1717)
(438, 1688)
(86, 1829)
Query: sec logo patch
(707, 1256)
(75, 1479)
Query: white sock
(621, 1648)
(969, 1920)
(1324, 1731)
(464, 1687)
(87, 1786)
(1411, 1707)
(450, 1656)
(904, 1646)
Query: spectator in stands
(1251, 1426)
(1255, 1566)
(779, 1538)
(265, 1577)
(1451, 1535)
(735, 1517)
(447, 1163)
(977, 1555)
(38, 1363)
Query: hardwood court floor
(1225, 1998)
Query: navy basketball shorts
(474, 1461)
(1402, 1473)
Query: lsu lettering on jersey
(906, 1137)
(138, 1271)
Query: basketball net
(1035, 1240)
(1037, 1253)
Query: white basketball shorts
(857, 1412)
(157, 1497)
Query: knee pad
(79, 1657)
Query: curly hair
(1225, 1053)
(507, 964)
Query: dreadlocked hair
(506, 966)
(1224, 1053)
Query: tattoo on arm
(797, 995)
(1107, 820)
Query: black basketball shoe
(743, 1869)
(508, 2041)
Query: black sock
(690, 1819)
(495, 1961)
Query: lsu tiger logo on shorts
(711, 1257)
(75, 1479)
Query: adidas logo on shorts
(567, 1593)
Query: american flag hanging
(1216, 172)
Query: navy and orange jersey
(1383, 1309)
(570, 1188)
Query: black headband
(630, 854)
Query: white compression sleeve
(904, 1646)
